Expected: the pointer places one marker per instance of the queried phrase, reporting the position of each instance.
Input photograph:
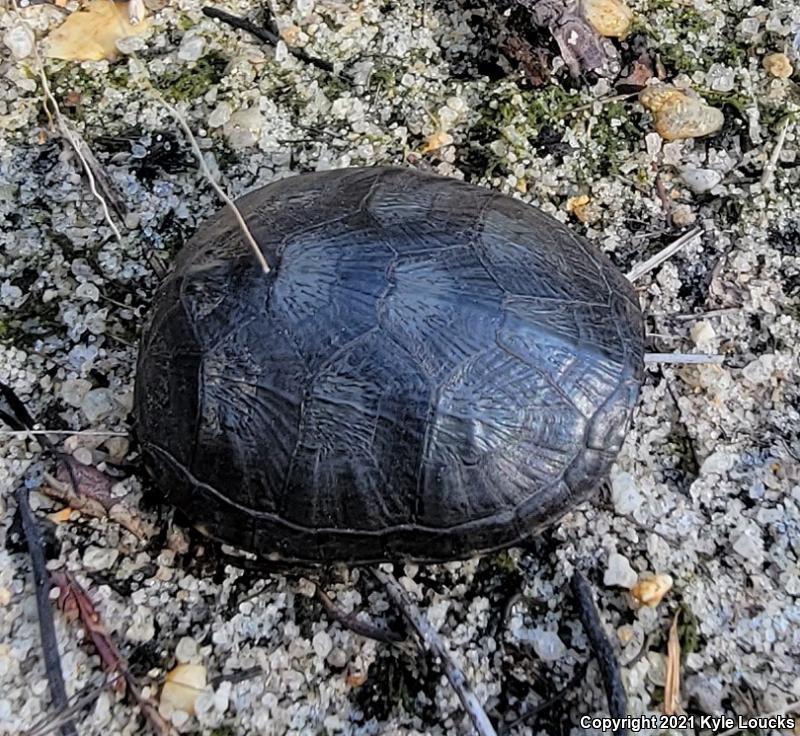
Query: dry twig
(266, 35)
(769, 169)
(41, 577)
(601, 646)
(76, 604)
(211, 180)
(81, 700)
(683, 358)
(686, 239)
(431, 640)
(78, 145)
(70, 432)
(351, 621)
(672, 680)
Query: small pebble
(337, 657)
(99, 558)
(702, 333)
(74, 390)
(220, 115)
(651, 590)
(83, 455)
(624, 494)
(619, 572)
(683, 216)
(701, 180)
(749, 546)
(322, 644)
(130, 44)
(191, 48)
(678, 115)
(98, 404)
(778, 65)
(19, 41)
(547, 645)
(186, 650)
(610, 18)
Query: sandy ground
(706, 490)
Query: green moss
(185, 22)
(504, 562)
(195, 80)
(119, 76)
(3, 329)
(223, 731)
(334, 86)
(613, 130)
(520, 117)
(688, 631)
(383, 81)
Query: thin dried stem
(65, 130)
(41, 579)
(378, 632)
(683, 358)
(136, 11)
(601, 646)
(686, 239)
(81, 700)
(67, 432)
(431, 641)
(211, 180)
(769, 169)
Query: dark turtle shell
(430, 370)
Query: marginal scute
(429, 370)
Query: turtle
(429, 370)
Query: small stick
(641, 269)
(136, 11)
(217, 188)
(69, 432)
(65, 129)
(265, 35)
(704, 315)
(530, 714)
(47, 629)
(609, 666)
(683, 358)
(434, 643)
(352, 622)
(769, 169)
(86, 697)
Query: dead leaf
(87, 490)
(640, 74)
(89, 480)
(182, 686)
(535, 60)
(672, 681)
(583, 208)
(356, 678)
(75, 603)
(91, 34)
(437, 140)
(59, 517)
